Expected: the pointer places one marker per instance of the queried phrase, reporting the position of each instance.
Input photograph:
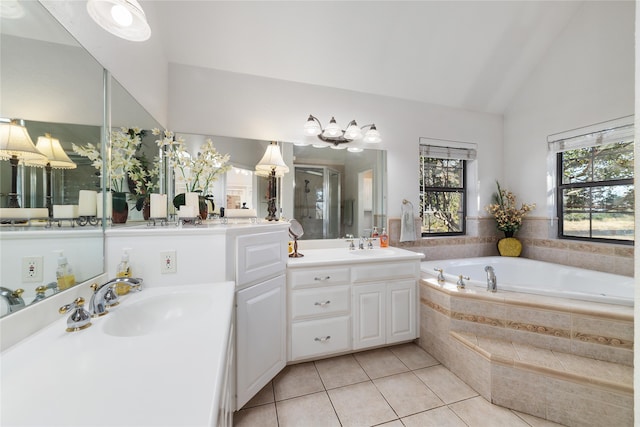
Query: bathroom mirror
(332, 193)
(51, 83)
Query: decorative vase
(509, 246)
(146, 209)
(120, 208)
(203, 207)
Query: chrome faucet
(105, 295)
(361, 243)
(492, 281)
(460, 283)
(14, 298)
(440, 275)
(41, 291)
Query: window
(443, 188)
(595, 189)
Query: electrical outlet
(32, 269)
(168, 262)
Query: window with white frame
(595, 182)
(443, 186)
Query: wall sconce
(335, 135)
(122, 18)
(272, 165)
(15, 145)
(55, 157)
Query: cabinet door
(401, 311)
(369, 315)
(261, 336)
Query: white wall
(217, 102)
(586, 77)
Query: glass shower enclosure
(316, 201)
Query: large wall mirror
(332, 193)
(53, 87)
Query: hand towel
(407, 223)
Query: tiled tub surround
(538, 241)
(563, 360)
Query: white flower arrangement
(197, 173)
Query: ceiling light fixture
(123, 18)
(335, 135)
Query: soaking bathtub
(538, 277)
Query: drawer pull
(322, 304)
(321, 279)
(323, 339)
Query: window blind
(617, 131)
(442, 149)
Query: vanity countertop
(342, 255)
(162, 375)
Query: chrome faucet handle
(461, 279)
(14, 298)
(370, 243)
(80, 318)
(440, 275)
(351, 245)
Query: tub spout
(492, 282)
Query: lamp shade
(55, 155)
(123, 18)
(15, 142)
(272, 161)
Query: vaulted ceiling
(473, 55)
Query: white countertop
(342, 255)
(171, 376)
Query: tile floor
(392, 387)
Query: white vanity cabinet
(340, 302)
(260, 310)
(319, 312)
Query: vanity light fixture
(56, 158)
(123, 18)
(15, 145)
(335, 135)
(272, 166)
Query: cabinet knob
(323, 303)
(322, 339)
(320, 279)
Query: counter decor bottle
(384, 238)
(64, 273)
(124, 270)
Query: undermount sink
(372, 252)
(156, 314)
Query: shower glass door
(317, 201)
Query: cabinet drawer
(384, 271)
(259, 257)
(320, 301)
(300, 278)
(319, 337)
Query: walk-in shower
(317, 201)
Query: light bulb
(121, 15)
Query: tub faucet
(105, 296)
(460, 282)
(440, 275)
(492, 282)
(13, 298)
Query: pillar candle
(158, 205)
(191, 199)
(87, 203)
(186, 211)
(99, 205)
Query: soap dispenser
(384, 238)
(64, 273)
(124, 270)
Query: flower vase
(509, 245)
(203, 207)
(120, 208)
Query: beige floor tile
(297, 380)
(260, 416)
(309, 411)
(413, 356)
(535, 421)
(340, 371)
(380, 363)
(477, 412)
(445, 384)
(394, 423)
(407, 394)
(360, 405)
(264, 396)
(438, 417)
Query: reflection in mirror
(55, 87)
